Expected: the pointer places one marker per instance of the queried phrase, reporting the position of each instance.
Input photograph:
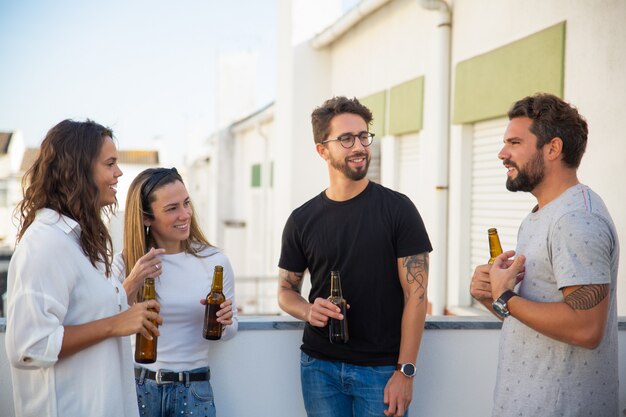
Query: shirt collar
(67, 224)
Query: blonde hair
(141, 194)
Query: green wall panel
(406, 107)
(377, 105)
(487, 85)
(256, 176)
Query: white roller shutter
(373, 172)
(409, 165)
(492, 205)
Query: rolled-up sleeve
(38, 298)
(34, 332)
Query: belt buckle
(159, 378)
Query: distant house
(12, 157)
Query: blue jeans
(339, 389)
(175, 399)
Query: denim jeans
(175, 399)
(339, 389)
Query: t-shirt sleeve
(292, 257)
(412, 237)
(581, 246)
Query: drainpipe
(266, 256)
(440, 100)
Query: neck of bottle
(218, 281)
(335, 285)
(148, 289)
(495, 248)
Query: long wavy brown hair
(61, 179)
(141, 195)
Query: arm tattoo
(587, 296)
(290, 280)
(417, 273)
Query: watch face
(408, 369)
(500, 308)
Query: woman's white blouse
(52, 284)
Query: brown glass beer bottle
(213, 328)
(146, 350)
(338, 329)
(495, 249)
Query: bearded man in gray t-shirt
(558, 348)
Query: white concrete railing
(257, 374)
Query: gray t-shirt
(570, 241)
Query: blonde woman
(159, 220)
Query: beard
(529, 177)
(353, 174)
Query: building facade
(439, 78)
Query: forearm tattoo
(291, 280)
(417, 274)
(587, 296)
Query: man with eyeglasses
(376, 239)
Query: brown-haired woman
(67, 317)
(159, 214)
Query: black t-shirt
(362, 238)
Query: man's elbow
(589, 338)
(281, 297)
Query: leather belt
(167, 377)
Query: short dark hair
(552, 117)
(322, 115)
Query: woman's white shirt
(185, 280)
(52, 284)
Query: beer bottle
(495, 248)
(337, 329)
(146, 350)
(213, 328)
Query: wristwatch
(500, 306)
(407, 369)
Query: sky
(147, 69)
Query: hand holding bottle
(321, 311)
(212, 326)
(146, 345)
(225, 313)
(139, 318)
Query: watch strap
(506, 296)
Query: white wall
(303, 83)
(257, 374)
(387, 48)
(236, 85)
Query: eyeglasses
(347, 139)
